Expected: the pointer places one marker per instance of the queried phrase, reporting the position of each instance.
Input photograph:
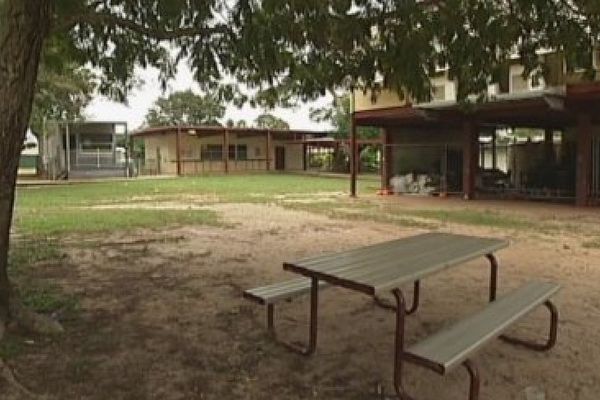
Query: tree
(282, 50)
(186, 108)
(63, 90)
(269, 121)
(339, 115)
(113, 37)
(233, 124)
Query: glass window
(96, 141)
(212, 152)
(242, 152)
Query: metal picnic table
(385, 267)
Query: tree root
(20, 392)
(32, 322)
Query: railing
(95, 159)
(191, 166)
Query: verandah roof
(551, 108)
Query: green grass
(226, 188)
(57, 210)
(52, 222)
(477, 218)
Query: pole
(353, 157)
(268, 151)
(178, 149)
(226, 150)
(68, 145)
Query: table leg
(314, 310)
(551, 341)
(493, 276)
(399, 344)
(409, 311)
(313, 324)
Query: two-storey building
(532, 138)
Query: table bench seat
(453, 346)
(280, 291)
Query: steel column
(584, 160)
(470, 158)
(353, 157)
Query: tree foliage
(270, 121)
(339, 115)
(185, 108)
(236, 124)
(61, 95)
(305, 48)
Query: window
(212, 152)
(239, 152)
(96, 141)
(242, 152)
(438, 92)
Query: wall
(191, 154)
(385, 99)
(555, 75)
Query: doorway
(279, 158)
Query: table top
(385, 266)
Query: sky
(140, 100)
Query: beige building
(191, 150)
(479, 151)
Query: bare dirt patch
(162, 316)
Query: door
(158, 161)
(279, 158)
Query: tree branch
(108, 19)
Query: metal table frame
(400, 308)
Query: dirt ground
(162, 316)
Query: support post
(494, 150)
(68, 145)
(584, 160)
(549, 146)
(268, 150)
(353, 157)
(304, 147)
(386, 161)
(226, 150)
(178, 149)
(470, 158)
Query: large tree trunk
(24, 25)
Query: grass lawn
(56, 210)
(108, 206)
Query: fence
(194, 166)
(337, 160)
(425, 168)
(97, 159)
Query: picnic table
(387, 267)
(384, 267)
